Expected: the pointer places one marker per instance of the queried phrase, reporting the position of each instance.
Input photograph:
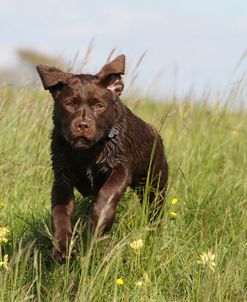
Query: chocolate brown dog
(99, 147)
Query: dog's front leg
(110, 193)
(62, 208)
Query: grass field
(198, 254)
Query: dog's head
(84, 108)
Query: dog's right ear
(110, 75)
(51, 76)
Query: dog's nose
(82, 126)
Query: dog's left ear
(51, 76)
(110, 75)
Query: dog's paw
(62, 247)
(59, 255)
(62, 254)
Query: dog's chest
(90, 172)
(96, 177)
(93, 167)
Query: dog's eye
(70, 103)
(98, 106)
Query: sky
(186, 42)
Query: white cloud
(242, 25)
(204, 38)
(8, 58)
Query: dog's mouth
(81, 142)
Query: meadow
(198, 253)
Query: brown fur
(98, 146)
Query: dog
(99, 147)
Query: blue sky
(196, 42)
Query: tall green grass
(207, 154)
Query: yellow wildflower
(5, 261)
(173, 215)
(174, 201)
(139, 283)
(119, 281)
(234, 133)
(207, 259)
(144, 282)
(147, 281)
(1, 205)
(136, 244)
(3, 234)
